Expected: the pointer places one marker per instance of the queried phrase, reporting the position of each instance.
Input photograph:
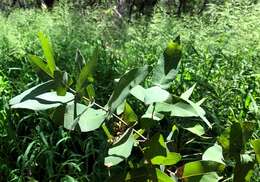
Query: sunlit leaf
(167, 67)
(158, 153)
(152, 114)
(199, 168)
(171, 158)
(214, 153)
(129, 115)
(41, 64)
(126, 82)
(33, 92)
(208, 177)
(197, 130)
(150, 95)
(162, 177)
(44, 101)
(89, 119)
(186, 95)
(121, 150)
(48, 52)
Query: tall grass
(221, 54)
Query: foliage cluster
(220, 54)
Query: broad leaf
(150, 95)
(129, 115)
(161, 79)
(33, 92)
(48, 52)
(186, 95)
(167, 67)
(89, 119)
(162, 177)
(170, 159)
(44, 101)
(126, 82)
(197, 130)
(158, 153)
(208, 177)
(214, 153)
(151, 113)
(121, 150)
(200, 168)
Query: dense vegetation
(220, 53)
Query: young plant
(148, 151)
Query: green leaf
(44, 101)
(121, 150)
(214, 153)
(120, 109)
(68, 178)
(236, 144)
(69, 116)
(200, 112)
(162, 177)
(41, 64)
(151, 113)
(86, 73)
(89, 119)
(199, 168)
(196, 106)
(159, 77)
(186, 95)
(33, 92)
(223, 139)
(91, 91)
(85, 77)
(208, 177)
(182, 109)
(166, 69)
(170, 159)
(197, 130)
(48, 52)
(129, 115)
(256, 146)
(158, 153)
(126, 82)
(148, 96)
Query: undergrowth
(221, 52)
